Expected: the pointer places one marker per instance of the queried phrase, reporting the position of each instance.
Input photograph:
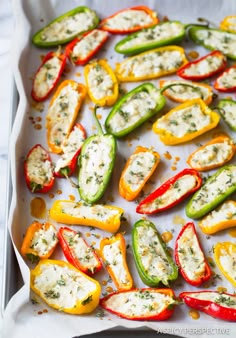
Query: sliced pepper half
(38, 170)
(151, 64)
(223, 217)
(190, 258)
(215, 304)
(228, 112)
(225, 257)
(78, 252)
(226, 82)
(39, 242)
(83, 48)
(216, 189)
(96, 164)
(133, 109)
(105, 217)
(229, 24)
(102, 83)
(170, 193)
(62, 113)
(187, 90)
(214, 39)
(165, 33)
(65, 288)
(66, 27)
(138, 169)
(141, 304)
(213, 154)
(151, 256)
(113, 253)
(129, 20)
(48, 75)
(204, 67)
(185, 122)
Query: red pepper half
(38, 170)
(71, 148)
(48, 75)
(190, 257)
(83, 48)
(226, 82)
(78, 252)
(109, 25)
(141, 304)
(215, 304)
(172, 192)
(204, 67)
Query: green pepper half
(227, 109)
(152, 259)
(214, 39)
(96, 164)
(133, 109)
(66, 27)
(216, 189)
(163, 34)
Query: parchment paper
(21, 317)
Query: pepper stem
(73, 184)
(98, 124)
(185, 85)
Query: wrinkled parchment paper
(21, 317)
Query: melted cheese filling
(62, 286)
(70, 147)
(168, 30)
(129, 19)
(81, 251)
(69, 26)
(46, 76)
(228, 79)
(88, 44)
(113, 257)
(213, 154)
(100, 82)
(213, 188)
(141, 164)
(228, 261)
(185, 93)
(184, 121)
(39, 168)
(190, 255)
(152, 63)
(229, 113)
(139, 303)
(226, 212)
(98, 212)
(223, 41)
(61, 114)
(44, 240)
(95, 164)
(152, 254)
(218, 298)
(206, 66)
(131, 111)
(177, 190)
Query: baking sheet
(21, 317)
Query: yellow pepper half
(224, 217)
(152, 64)
(113, 253)
(138, 169)
(185, 122)
(225, 257)
(229, 24)
(102, 83)
(105, 217)
(65, 288)
(63, 112)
